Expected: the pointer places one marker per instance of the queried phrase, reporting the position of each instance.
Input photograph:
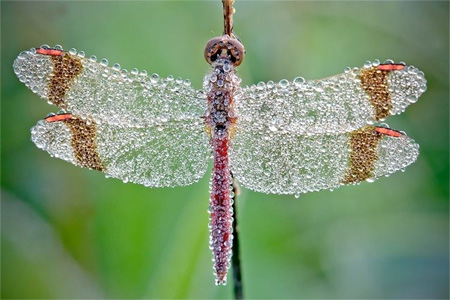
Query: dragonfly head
(224, 47)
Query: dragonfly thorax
(224, 47)
(220, 86)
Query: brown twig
(228, 11)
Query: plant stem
(235, 259)
(228, 11)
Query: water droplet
(299, 81)
(134, 71)
(412, 99)
(283, 83)
(116, 67)
(104, 62)
(260, 86)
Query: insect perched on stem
(289, 137)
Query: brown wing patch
(65, 69)
(84, 143)
(374, 82)
(363, 154)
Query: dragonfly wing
(161, 156)
(295, 164)
(91, 89)
(341, 103)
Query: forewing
(341, 103)
(161, 156)
(92, 90)
(295, 164)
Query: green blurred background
(68, 232)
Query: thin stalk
(235, 259)
(228, 11)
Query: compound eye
(237, 51)
(224, 47)
(212, 49)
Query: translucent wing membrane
(293, 164)
(91, 89)
(160, 156)
(340, 103)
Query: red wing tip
(52, 52)
(391, 67)
(60, 117)
(389, 132)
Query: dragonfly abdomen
(221, 207)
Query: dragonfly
(287, 137)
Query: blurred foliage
(70, 233)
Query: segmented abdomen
(221, 207)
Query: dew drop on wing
(299, 81)
(116, 67)
(412, 99)
(154, 78)
(134, 71)
(283, 83)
